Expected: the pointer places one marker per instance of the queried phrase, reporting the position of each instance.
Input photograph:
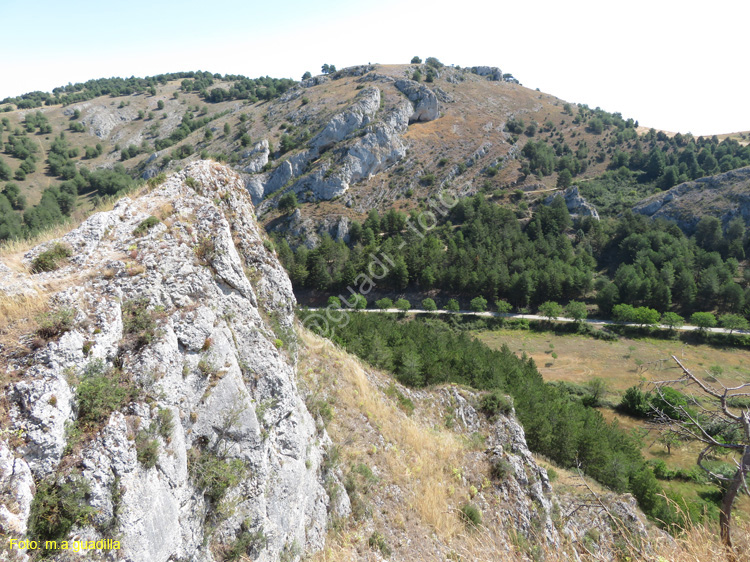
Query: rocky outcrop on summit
(192, 316)
(724, 196)
(491, 72)
(575, 203)
(361, 147)
(425, 101)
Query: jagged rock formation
(424, 100)
(724, 196)
(192, 315)
(491, 72)
(575, 203)
(363, 147)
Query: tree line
(481, 249)
(427, 352)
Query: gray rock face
(221, 360)
(525, 491)
(425, 101)
(357, 115)
(724, 196)
(363, 147)
(254, 159)
(491, 72)
(575, 202)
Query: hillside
(361, 138)
(158, 392)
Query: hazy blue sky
(675, 65)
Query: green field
(625, 363)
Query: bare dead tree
(720, 425)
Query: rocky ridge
(193, 315)
(724, 196)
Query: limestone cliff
(158, 393)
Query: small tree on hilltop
(416, 60)
(719, 426)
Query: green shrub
(334, 302)
(101, 391)
(147, 449)
(51, 259)
(496, 402)
(145, 226)
(384, 303)
(377, 540)
(165, 423)
(429, 304)
(55, 323)
(58, 506)
(215, 475)
(403, 305)
(470, 515)
(138, 323)
(501, 469)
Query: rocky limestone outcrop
(575, 203)
(253, 160)
(425, 101)
(491, 72)
(193, 316)
(723, 196)
(359, 146)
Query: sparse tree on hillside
(306, 75)
(160, 104)
(288, 202)
(720, 427)
(328, 69)
(416, 60)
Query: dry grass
(417, 459)
(417, 493)
(622, 363)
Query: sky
(672, 65)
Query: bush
(138, 322)
(55, 323)
(377, 540)
(51, 259)
(145, 226)
(501, 469)
(102, 391)
(429, 304)
(334, 302)
(288, 202)
(58, 506)
(478, 304)
(215, 475)
(403, 305)
(384, 303)
(147, 449)
(471, 515)
(495, 403)
(452, 306)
